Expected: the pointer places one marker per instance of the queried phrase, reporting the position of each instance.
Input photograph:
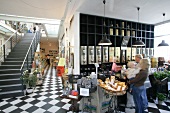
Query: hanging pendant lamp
(163, 44)
(104, 40)
(163, 41)
(138, 42)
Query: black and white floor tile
(45, 99)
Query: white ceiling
(51, 9)
(150, 10)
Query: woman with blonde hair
(139, 90)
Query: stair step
(20, 52)
(10, 67)
(12, 63)
(16, 55)
(5, 88)
(10, 76)
(14, 59)
(9, 94)
(9, 71)
(10, 81)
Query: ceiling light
(104, 40)
(163, 41)
(138, 42)
(163, 44)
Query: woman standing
(139, 90)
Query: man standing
(130, 101)
(138, 57)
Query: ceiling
(51, 9)
(150, 10)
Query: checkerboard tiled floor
(45, 99)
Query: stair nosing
(2, 86)
(10, 65)
(10, 74)
(10, 92)
(9, 69)
(10, 79)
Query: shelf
(92, 29)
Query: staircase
(10, 83)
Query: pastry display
(112, 85)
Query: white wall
(162, 32)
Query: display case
(111, 54)
(128, 54)
(83, 55)
(91, 54)
(123, 56)
(105, 54)
(151, 52)
(147, 52)
(98, 54)
(133, 54)
(142, 51)
(117, 54)
(138, 51)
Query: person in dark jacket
(139, 90)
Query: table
(113, 101)
(74, 107)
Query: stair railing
(9, 44)
(30, 53)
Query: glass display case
(147, 52)
(128, 54)
(138, 51)
(91, 54)
(98, 54)
(105, 54)
(117, 54)
(133, 54)
(111, 54)
(151, 52)
(123, 56)
(83, 55)
(142, 50)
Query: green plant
(25, 77)
(32, 80)
(161, 96)
(161, 74)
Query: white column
(76, 35)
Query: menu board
(53, 52)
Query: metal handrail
(10, 37)
(28, 52)
(4, 46)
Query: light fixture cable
(104, 2)
(138, 8)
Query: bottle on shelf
(122, 24)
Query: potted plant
(32, 83)
(161, 97)
(25, 80)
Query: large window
(162, 32)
